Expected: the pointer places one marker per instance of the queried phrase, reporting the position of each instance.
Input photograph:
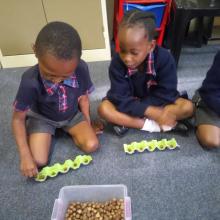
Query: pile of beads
(112, 209)
(150, 145)
(52, 171)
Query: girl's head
(136, 37)
(58, 49)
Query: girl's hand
(28, 167)
(166, 119)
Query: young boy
(207, 107)
(53, 94)
(143, 92)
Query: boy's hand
(28, 167)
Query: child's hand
(167, 119)
(98, 126)
(153, 113)
(28, 167)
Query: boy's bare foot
(98, 126)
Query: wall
(17, 36)
(20, 22)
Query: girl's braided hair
(143, 19)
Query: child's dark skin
(134, 47)
(34, 149)
(208, 131)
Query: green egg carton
(150, 146)
(52, 171)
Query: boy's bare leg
(181, 109)
(208, 136)
(84, 136)
(40, 146)
(108, 112)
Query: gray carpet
(180, 184)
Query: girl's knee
(107, 110)
(91, 146)
(103, 109)
(187, 108)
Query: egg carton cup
(52, 171)
(150, 146)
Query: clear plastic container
(85, 193)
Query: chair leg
(209, 21)
(199, 32)
(181, 20)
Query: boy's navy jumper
(57, 102)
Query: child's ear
(34, 49)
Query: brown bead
(108, 210)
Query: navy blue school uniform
(210, 89)
(132, 91)
(57, 102)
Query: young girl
(143, 92)
(53, 94)
(207, 102)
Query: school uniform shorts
(203, 114)
(37, 123)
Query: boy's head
(58, 49)
(136, 37)
(60, 40)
